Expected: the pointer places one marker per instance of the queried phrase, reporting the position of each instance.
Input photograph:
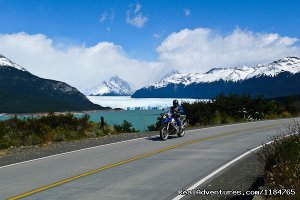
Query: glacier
(128, 103)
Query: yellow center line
(130, 160)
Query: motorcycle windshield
(166, 116)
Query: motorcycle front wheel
(164, 133)
(181, 133)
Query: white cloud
(137, 21)
(201, 49)
(107, 15)
(80, 66)
(188, 50)
(135, 17)
(187, 12)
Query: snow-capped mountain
(288, 64)
(278, 78)
(21, 91)
(4, 62)
(114, 87)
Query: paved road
(146, 168)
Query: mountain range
(23, 92)
(114, 87)
(279, 78)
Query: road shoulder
(246, 174)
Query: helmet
(175, 102)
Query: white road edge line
(84, 149)
(194, 186)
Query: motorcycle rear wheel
(164, 133)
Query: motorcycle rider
(176, 111)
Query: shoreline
(63, 112)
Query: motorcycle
(170, 127)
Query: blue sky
(140, 28)
(77, 21)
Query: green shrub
(107, 130)
(125, 127)
(34, 139)
(217, 118)
(234, 108)
(59, 137)
(54, 128)
(229, 119)
(5, 141)
(41, 130)
(286, 114)
(151, 127)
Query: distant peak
(115, 77)
(114, 87)
(174, 71)
(169, 74)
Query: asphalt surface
(145, 168)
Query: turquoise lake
(140, 119)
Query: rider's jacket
(177, 110)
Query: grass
(282, 163)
